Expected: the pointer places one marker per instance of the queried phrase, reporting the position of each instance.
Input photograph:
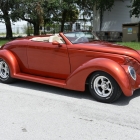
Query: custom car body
(72, 60)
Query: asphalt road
(32, 111)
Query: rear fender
(10, 59)
(77, 79)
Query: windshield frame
(78, 37)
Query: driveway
(32, 111)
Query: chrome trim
(132, 72)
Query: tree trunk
(101, 19)
(63, 20)
(9, 33)
(71, 26)
(36, 28)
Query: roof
(131, 24)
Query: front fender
(77, 79)
(10, 59)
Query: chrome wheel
(4, 70)
(102, 86)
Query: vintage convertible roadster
(72, 61)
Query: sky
(15, 26)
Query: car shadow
(122, 101)
(52, 89)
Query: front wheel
(103, 87)
(5, 72)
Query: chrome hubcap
(4, 70)
(102, 86)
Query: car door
(46, 59)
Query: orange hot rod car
(72, 60)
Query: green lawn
(3, 42)
(134, 45)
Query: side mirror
(55, 43)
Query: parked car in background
(72, 60)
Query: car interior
(48, 39)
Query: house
(111, 22)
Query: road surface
(32, 111)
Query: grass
(134, 45)
(3, 42)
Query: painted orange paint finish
(68, 65)
(48, 60)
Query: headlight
(132, 72)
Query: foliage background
(47, 12)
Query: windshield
(81, 37)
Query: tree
(64, 11)
(101, 5)
(135, 8)
(27, 29)
(30, 11)
(72, 16)
(5, 7)
(69, 15)
(89, 6)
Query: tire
(104, 88)
(5, 72)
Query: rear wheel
(5, 72)
(103, 87)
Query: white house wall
(113, 20)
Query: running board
(39, 79)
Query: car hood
(106, 47)
(138, 51)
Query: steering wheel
(81, 39)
